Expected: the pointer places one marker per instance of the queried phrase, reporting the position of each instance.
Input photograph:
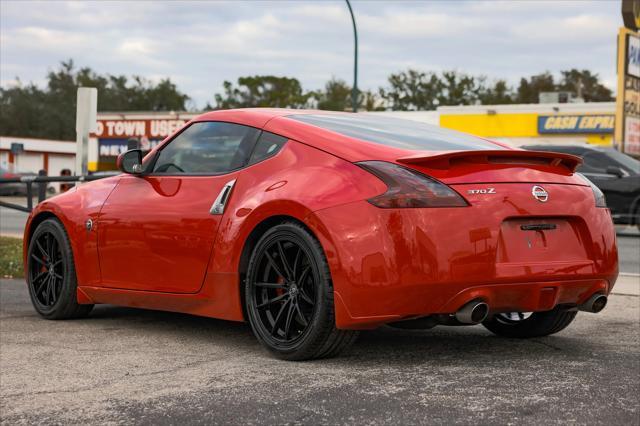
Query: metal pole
(354, 89)
(42, 187)
(29, 196)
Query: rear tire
(537, 325)
(51, 273)
(289, 296)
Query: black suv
(616, 174)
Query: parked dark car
(616, 174)
(13, 188)
(18, 188)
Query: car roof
(283, 122)
(255, 117)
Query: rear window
(394, 132)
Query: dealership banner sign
(627, 131)
(583, 123)
(152, 129)
(113, 137)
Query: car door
(156, 231)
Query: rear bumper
(393, 264)
(508, 297)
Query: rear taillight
(597, 193)
(408, 188)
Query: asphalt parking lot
(124, 365)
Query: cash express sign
(579, 123)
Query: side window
(268, 145)
(210, 147)
(595, 162)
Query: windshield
(628, 163)
(397, 133)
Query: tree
(335, 97)
(415, 90)
(581, 83)
(50, 112)
(22, 110)
(262, 91)
(412, 90)
(498, 94)
(529, 90)
(459, 89)
(370, 101)
(585, 85)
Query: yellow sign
(576, 123)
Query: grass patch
(11, 257)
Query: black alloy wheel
(51, 273)
(289, 296)
(46, 269)
(284, 293)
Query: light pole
(354, 89)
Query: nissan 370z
(312, 225)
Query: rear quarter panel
(296, 182)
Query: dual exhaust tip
(473, 312)
(477, 311)
(594, 304)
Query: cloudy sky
(200, 44)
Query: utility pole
(354, 89)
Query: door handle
(219, 204)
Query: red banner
(123, 129)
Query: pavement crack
(547, 345)
(105, 383)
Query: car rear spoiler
(445, 160)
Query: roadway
(129, 366)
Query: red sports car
(312, 225)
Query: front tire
(289, 296)
(51, 273)
(536, 324)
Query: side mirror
(130, 162)
(616, 171)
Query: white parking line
(627, 285)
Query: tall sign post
(86, 122)
(354, 89)
(627, 132)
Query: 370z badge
(482, 191)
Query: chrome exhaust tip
(473, 312)
(595, 304)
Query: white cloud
(419, 25)
(577, 28)
(39, 38)
(201, 44)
